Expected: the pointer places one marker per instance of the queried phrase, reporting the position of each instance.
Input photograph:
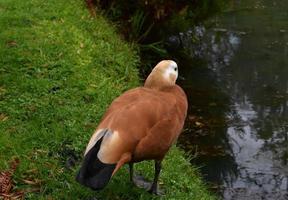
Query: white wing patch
(110, 145)
(94, 139)
(109, 150)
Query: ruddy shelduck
(141, 124)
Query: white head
(170, 71)
(165, 73)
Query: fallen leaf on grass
(32, 182)
(6, 183)
(6, 179)
(11, 43)
(2, 90)
(14, 196)
(3, 117)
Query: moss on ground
(60, 69)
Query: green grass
(60, 69)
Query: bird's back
(139, 108)
(132, 115)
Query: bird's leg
(138, 180)
(131, 171)
(154, 188)
(141, 182)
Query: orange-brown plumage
(143, 122)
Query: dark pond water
(237, 84)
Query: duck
(141, 124)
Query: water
(236, 80)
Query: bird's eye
(175, 69)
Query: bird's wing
(165, 132)
(126, 98)
(159, 139)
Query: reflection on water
(238, 92)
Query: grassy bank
(59, 71)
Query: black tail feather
(94, 173)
